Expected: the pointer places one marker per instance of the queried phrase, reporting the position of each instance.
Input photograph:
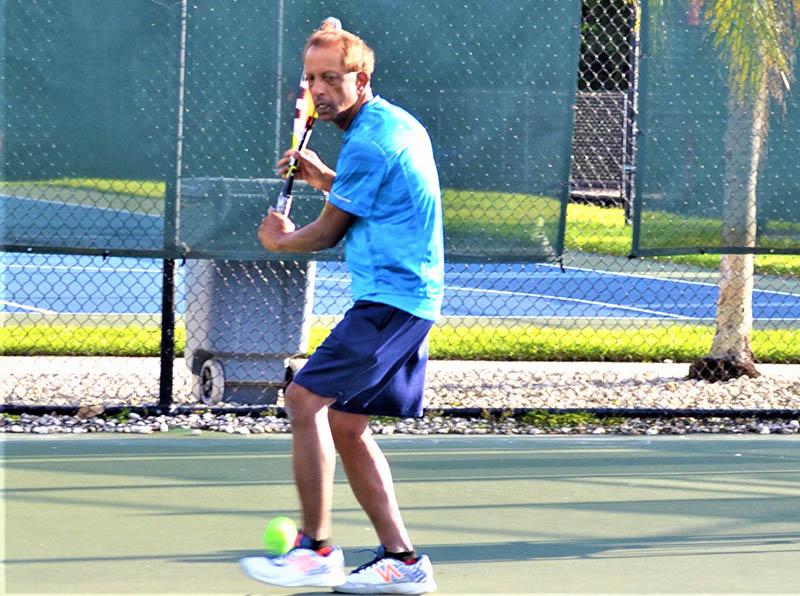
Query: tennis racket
(305, 114)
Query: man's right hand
(309, 168)
(274, 228)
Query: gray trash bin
(245, 319)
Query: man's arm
(277, 233)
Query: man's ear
(362, 80)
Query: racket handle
(283, 204)
(284, 201)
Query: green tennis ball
(279, 535)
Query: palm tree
(757, 40)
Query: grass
(139, 196)
(67, 340)
(602, 230)
(139, 188)
(680, 343)
(549, 420)
(480, 222)
(513, 222)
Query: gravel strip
(103, 383)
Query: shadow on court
(173, 513)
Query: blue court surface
(56, 284)
(66, 284)
(29, 220)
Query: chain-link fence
(722, 123)
(138, 147)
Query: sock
(409, 557)
(323, 547)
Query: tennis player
(384, 201)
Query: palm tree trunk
(731, 355)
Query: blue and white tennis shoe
(385, 575)
(300, 567)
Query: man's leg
(370, 478)
(313, 458)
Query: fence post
(171, 194)
(631, 115)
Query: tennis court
(173, 513)
(530, 291)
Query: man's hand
(274, 228)
(309, 168)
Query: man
(384, 199)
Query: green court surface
(173, 513)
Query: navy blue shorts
(373, 362)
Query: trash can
(245, 317)
(244, 321)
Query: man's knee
(300, 403)
(348, 429)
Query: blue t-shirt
(386, 176)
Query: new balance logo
(388, 571)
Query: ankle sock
(407, 556)
(323, 546)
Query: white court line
(665, 279)
(577, 300)
(30, 308)
(668, 315)
(637, 275)
(80, 268)
(344, 279)
(103, 313)
(617, 319)
(532, 275)
(79, 206)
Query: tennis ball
(279, 535)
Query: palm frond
(757, 39)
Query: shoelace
(379, 554)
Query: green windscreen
(90, 101)
(496, 99)
(698, 139)
(153, 128)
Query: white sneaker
(299, 567)
(384, 575)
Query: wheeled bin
(245, 317)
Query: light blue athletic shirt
(386, 177)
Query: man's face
(335, 91)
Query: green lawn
(509, 216)
(141, 188)
(499, 225)
(655, 343)
(493, 218)
(139, 196)
(84, 340)
(603, 231)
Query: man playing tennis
(384, 200)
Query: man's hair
(357, 56)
